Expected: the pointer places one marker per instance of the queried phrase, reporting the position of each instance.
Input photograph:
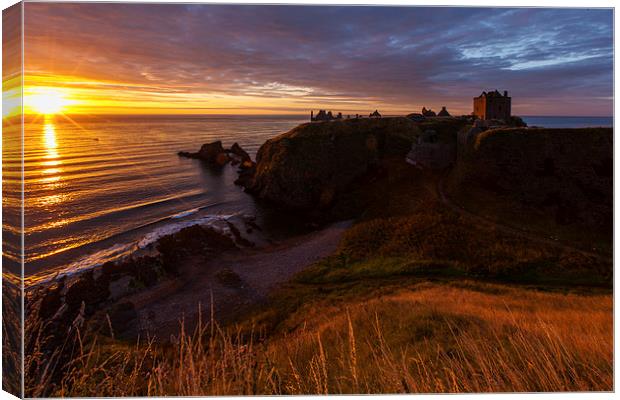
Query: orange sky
(113, 58)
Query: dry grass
(433, 234)
(367, 320)
(11, 334)
(429, 338)
(459, 340)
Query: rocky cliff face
(566, 174)
(309, 166)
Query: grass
(416, 299)
(12, 331)
(480, 338)
(433, 242)
(556, 183)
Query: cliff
(565, 175)
(311, 165)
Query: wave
(108, 213)
(185, 213)
(121, 251)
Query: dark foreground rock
(95, 300)
(310, 166)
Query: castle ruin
(492, 105)
(323, 115)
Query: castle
(492, 105)
(324, 116)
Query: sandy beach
(253, 275)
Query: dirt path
(510, 229)
(248, 277)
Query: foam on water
(121, 251)
(185, 213)
(98, 198)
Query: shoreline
(230, 283)
(150, 290)
(120, 251)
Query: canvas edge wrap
(13, 201)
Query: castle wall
(495, 107)
(498, 108)
(480, 107)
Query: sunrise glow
(241, 64)
(46, 101)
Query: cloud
(397, 57)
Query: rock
(239, 152)
(195, 238)
(239, 239)
(51, 301)
(121, 317)
(247, 167)
(215, 155)
(187, 154)
(117, 321)
(145, 269)
(212, 153)
(120, 287)
(220, 159)
(248, 164)
(309, 166)
(228, 277)
(88, 290)
(246, 172)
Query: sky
(234, 59)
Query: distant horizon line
(269, 115)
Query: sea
(568, 122)
(98, 188)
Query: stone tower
(492, 105)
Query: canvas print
(227, 199)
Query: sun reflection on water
(49, 140)
(52, 163)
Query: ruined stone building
(428, 113)
(492, 105)
(444, 112)
(323, 115)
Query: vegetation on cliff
(558, 181)
(418, 297)
(339, 326)
(310, 166)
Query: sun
(47, 101)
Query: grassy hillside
(417, 298)
(462, 337)
(557, 182)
